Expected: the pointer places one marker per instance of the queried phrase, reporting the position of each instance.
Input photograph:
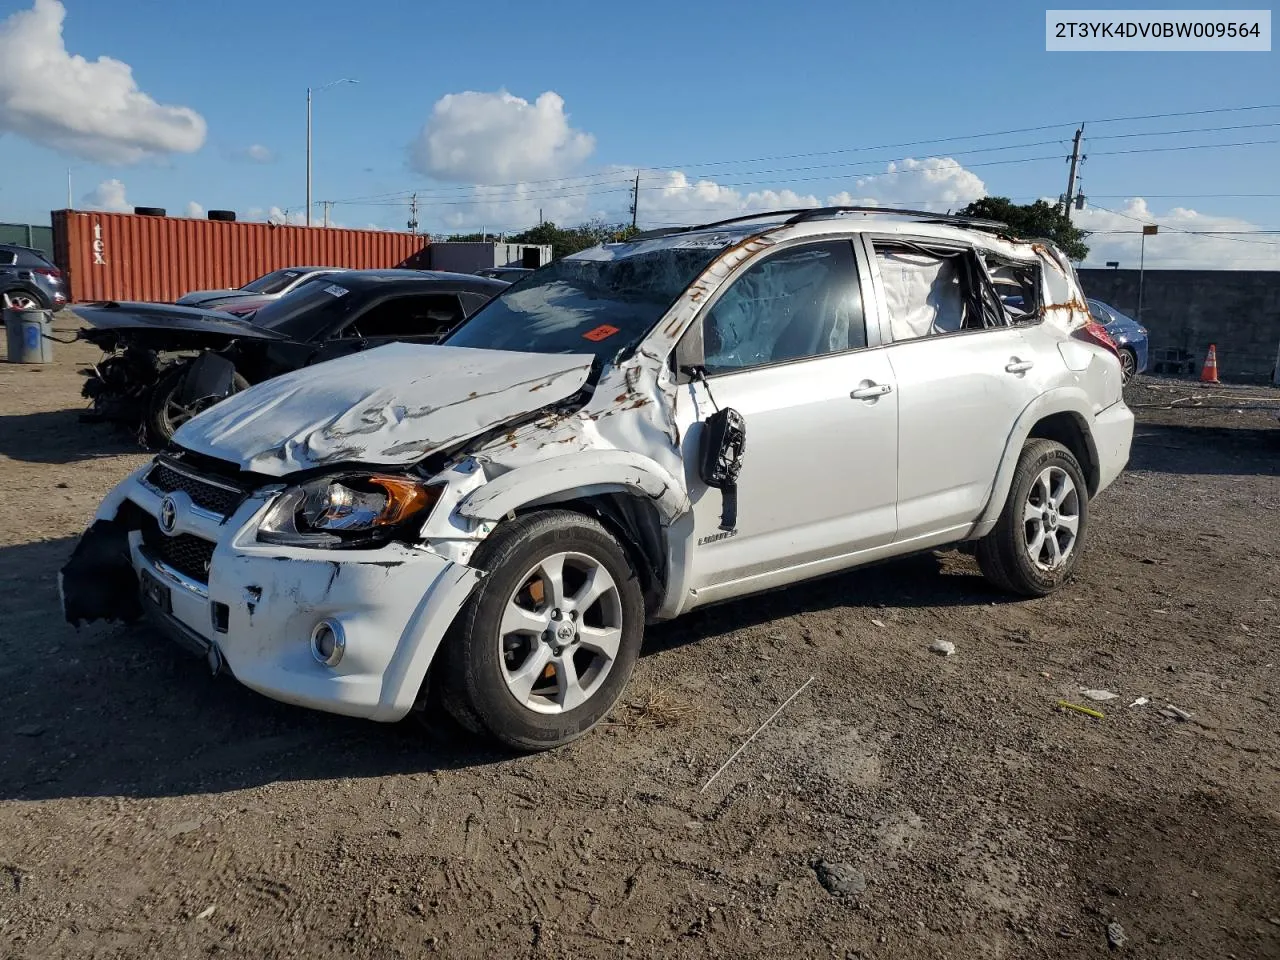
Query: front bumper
(255, 609)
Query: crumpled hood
(390, 406)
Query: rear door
(964, 373)
(786, 345)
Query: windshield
(602, 301)
(308, 309)
(273, 282)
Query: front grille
(188, 555)
(216, 498)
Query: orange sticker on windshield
(602, 332)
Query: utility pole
(68, 188)
(635, 201)
(1069, 197)
(328, 205)
(539, 216)
(413, 214)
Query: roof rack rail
(804, 214)
(745, 218)
(928, 216)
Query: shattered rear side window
(1017, 284)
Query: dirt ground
(149, 810)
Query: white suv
(634, 431)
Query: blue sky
(687, 91)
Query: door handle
(869, 391)
(1018, 366)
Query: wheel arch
(1063, 415)
(635, 498)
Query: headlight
(350, 510)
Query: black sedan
(165, 363)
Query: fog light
(328, 642)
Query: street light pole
(309, 91)
(308, 156)
(1148, 230)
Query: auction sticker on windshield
(335, 291)
(602, 332)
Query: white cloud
(497, 137)
(256, 153)
(933, 183)
(92, 109)
(107, 196)
(280, 217)
(1116, 236)
(194, 210)
(673, 197)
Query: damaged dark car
(165, 363)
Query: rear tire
(165, 415)
(22, 300)
(1038, 540)
(546, 643)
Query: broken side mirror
(724, 439)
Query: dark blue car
(1129, 335)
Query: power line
(1171, 133)
(624, 185)
(1172, 229)
(615, 175)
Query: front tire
(546, 643)
(165, 414)
(1038, 540)
(1128, 365)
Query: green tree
(1033, 221)
(567, 240)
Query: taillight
(1096, 334)
(53, 273)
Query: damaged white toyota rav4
(627, 434)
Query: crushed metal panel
(341, 411)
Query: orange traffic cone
(1209, 374)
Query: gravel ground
(905, 804)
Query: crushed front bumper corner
(253, 611)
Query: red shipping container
(123, 256)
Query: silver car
(271, 286)
(635, 431)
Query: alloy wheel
(20, 301)
(1128, 366)
(1051, 518)
(560, 633)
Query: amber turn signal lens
(405, 497)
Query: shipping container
(123, 256)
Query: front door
(786, 345)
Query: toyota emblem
(168, 515)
